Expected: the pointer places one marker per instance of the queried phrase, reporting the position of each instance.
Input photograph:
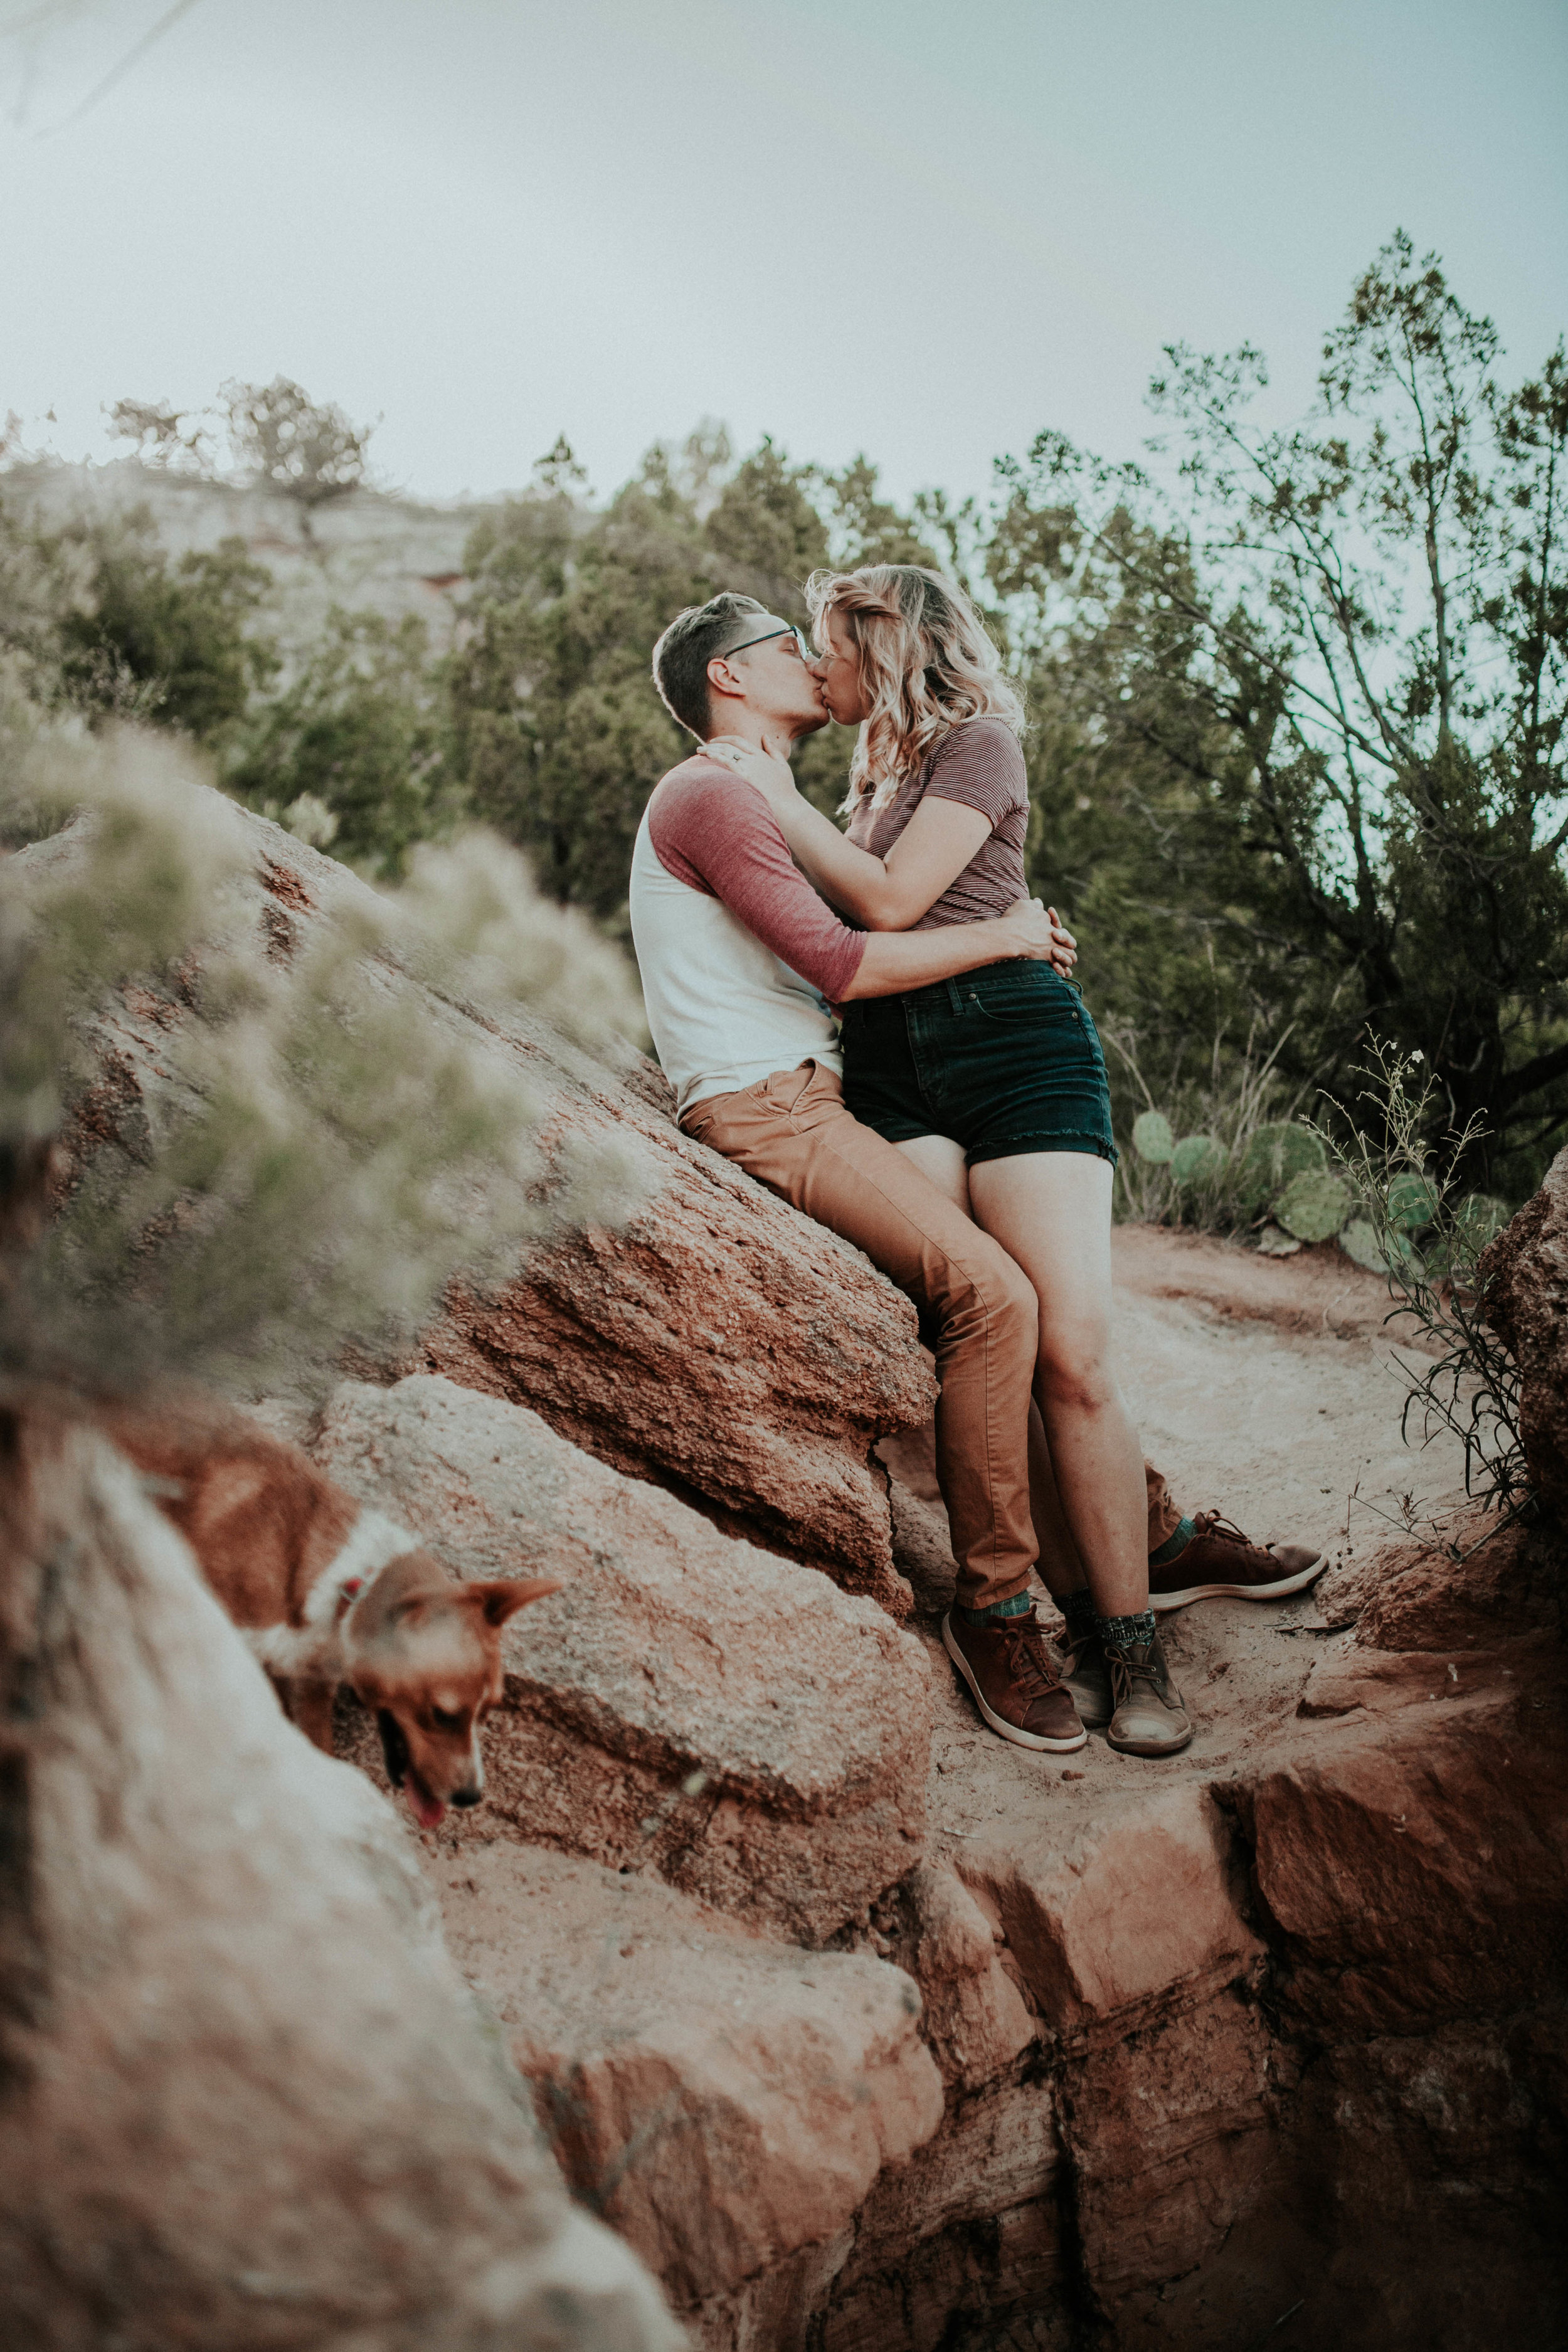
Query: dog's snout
(467, 1796)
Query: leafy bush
(1210, 1179)
(1402, 1189)
(1153, 1139)
(1196, 1160)
(1278, 1152)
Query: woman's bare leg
(1061, 1569)
(941, 1160)
(1051, 1213)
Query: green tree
(558, 734)
(173, 644)
(307, 449)
(867, 529)
(1340, 671)
(359, 733)
(766, 532)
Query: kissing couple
(882, 1026)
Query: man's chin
(819, 719)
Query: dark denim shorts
(1004, 1060)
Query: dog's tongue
(429, 1810)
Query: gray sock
(1127, 1633)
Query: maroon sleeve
(980, 763)
(715, 832)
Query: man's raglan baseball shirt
(740, 958)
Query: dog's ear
(502, 1597)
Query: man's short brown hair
(681, 656)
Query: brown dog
(328, 1591)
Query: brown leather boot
(1012, 1671)
(1220, 1563)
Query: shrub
(1153, 1139)
(1472, 1388)
(1196, 1160)
(335, 1149)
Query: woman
(994, 1084)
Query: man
(740, 962)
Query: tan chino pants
(792, 1132)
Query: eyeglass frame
(790, 629)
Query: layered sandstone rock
(1411, 1860)
(1075, 1906)
(688, 1704)
(715, 1343)
(1525, 1272)
(245, 2101)
(722, 2101)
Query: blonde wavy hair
(926, 665)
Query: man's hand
(773, 777)
(1035, 931)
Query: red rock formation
(1073, 1907)
(721, 2101)
(245, 2100)
(687, 1704)
(1525, 1272)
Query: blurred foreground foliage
(331, 1144)
(1297, 700)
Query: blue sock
(1127, 1631)
(1017, 1607)
(1173, 1546)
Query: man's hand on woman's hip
(1035, 930)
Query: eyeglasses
(786, 630)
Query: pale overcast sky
(920, 230)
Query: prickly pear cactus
(1413, 1203)
(1277, 1154)
(1359, 1241)
(1152, 1137)
(1313, 1206)
(1196, 1158)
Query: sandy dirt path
(1272, 1390)
(1269, 1391)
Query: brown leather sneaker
(1086, 1678)
(1149, 1719)
(1010, 1668)
(1221, 1563)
